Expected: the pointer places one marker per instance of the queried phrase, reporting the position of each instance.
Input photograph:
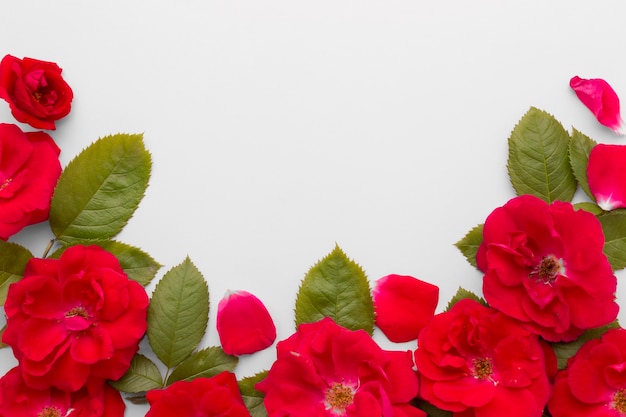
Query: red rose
(29, 170)
(18, 399)
(476, 361)
(594, 382)
(326, 370)
(35, 91)
(544, 265)
(74, 320)
(201, 397)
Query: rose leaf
(2, 345)
(565, 350)
(461, 294)
(178, 313)
(13, 260)
(579, 148)
(204, 363)
(143, 375)
(592, 208)
(100, 189)
(538, 162)
(614, 227)
(336, 287)
(251, 397)
(470, 243)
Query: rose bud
(243, 324)
(606, 175)
(404, 305)
(601, 99)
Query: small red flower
(404, 305)
(606, 175)
(243, 323)
(601, 99)
(202, 397)
(35, 91)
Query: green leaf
(579, 149)
(461, 294)
(13, 260)
(100, 189)
(143, 375)
(592, 208)
(470, 243)
(614, 227)
(252, 398)
(178, 313)
(564, 351)
(539, 159)
(336, 287)
(205, 363)
(430, 409)
(2, 345)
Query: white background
(280, 128)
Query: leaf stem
(45, 252)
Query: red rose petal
(601, 99)
(606, 175)
(404, 305)
(243, 323)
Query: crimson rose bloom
(202, 397)
(29, 170)
(35, 91)
(326, 370)
(18, 399)
(594, 382)
(545, 267)
(475, 361)
(75, 320)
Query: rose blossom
(29, 170)
(606, 175)
(326, 370)
(18, 399)
(594, 382)
(476, 361)
(35, 91)
(74, 320)
(544, 266)
(201, 397)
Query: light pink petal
(601, 99)
(243, 324)
(606, 175)
(404, 305)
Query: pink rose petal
(606, 175)
(243, 324)
(404, 305)
(601, 99)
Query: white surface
(278, 128)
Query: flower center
(548, 269)
(338, 398)
(49, 412)
(482, 368)
(77, 312)
(619, 401)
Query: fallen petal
(243, 324)
(606, 175)
(601, 99)
(404, 305)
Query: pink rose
(75, 320)
(544, 266)
(29, 170)
(35, 91)
(475, 361)
(326, 370)
(202, 397)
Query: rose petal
(601, 99)
(404, 305)
(243, 323)
(606, 175)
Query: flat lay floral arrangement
(541, 340)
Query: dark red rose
(475, 361)
(201, 397)
(35, 91)
(326, 370)
(29, 170)
(75, 320)
(544, 266)
(18, 399)
(594, 382)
